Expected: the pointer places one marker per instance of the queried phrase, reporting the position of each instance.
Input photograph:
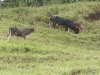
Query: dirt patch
(92, 16)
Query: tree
(28, 2)
(39, 2)
(0, 3)
(12, 3)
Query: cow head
(32, 29)
(77, 31)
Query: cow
(20, 32)
(67, 23)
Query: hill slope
(50, 51)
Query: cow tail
(9, 35)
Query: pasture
(49, 51)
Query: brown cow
(20, 32)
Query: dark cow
(20, 32)
(58, 21)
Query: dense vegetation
(29, 3)
(50, 51)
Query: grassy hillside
(50, 51)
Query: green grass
(50, 51)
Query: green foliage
(24, 3)
(49, 51)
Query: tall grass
(49, 51)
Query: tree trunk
(0, 3)
(76, 0)
(28, 2)
(12, 3)
(39, 2)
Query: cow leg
(67, 29)
(54, 25)
(57, 26)
(24, 36)
(50, 24)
